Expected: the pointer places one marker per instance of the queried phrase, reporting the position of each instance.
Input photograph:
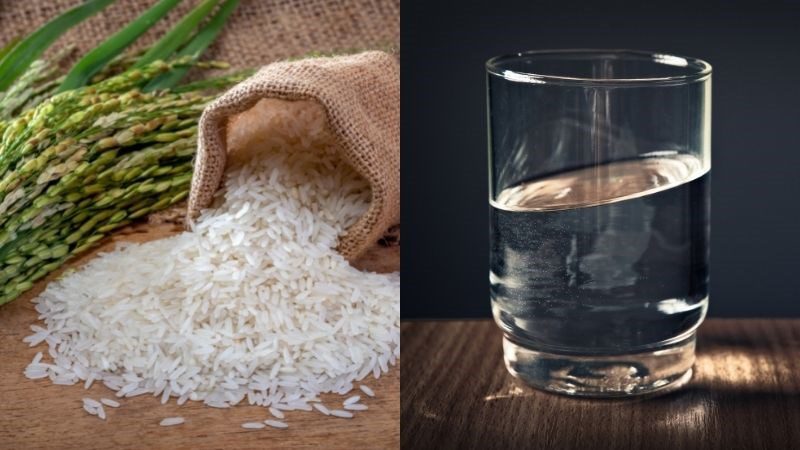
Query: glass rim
(696, 69)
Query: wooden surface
(37, 414)
(745, 394)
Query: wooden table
(37, 414)
(745, 394)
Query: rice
(340, 413)
(91, 402)
(253, 425)
(253, 304)
(36, 371)
(169, 421)
(322, 408)
(367, 390)
(276, 412)
(351, 400)
(64, 380)
(276, 423)
(356, 407)
(182, 399)
(109, 402)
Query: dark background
(755, 52)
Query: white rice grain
(137, 392)
(356, 407)
(351, 400)
(367, 390)
(218, 404)
(109, 402)
(253, 425)
(91, 402)
(89, 409)
(276, 423)
(170, 421)
(322, 408)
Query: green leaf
(201, 40)
(82, 72)
(8, 47)
(221, 82)
(25, 52)
(178, 35)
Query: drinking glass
(599, 196)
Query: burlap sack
(361, 96)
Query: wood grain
(745, 394)
(37, 414)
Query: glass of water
(599, 192)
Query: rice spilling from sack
(254, 304)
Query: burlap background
(257, 33)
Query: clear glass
(599, 192)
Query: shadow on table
(694, 417)
(745, 393)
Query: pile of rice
(253, 304)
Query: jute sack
(361, 97)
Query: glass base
(658, 369)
